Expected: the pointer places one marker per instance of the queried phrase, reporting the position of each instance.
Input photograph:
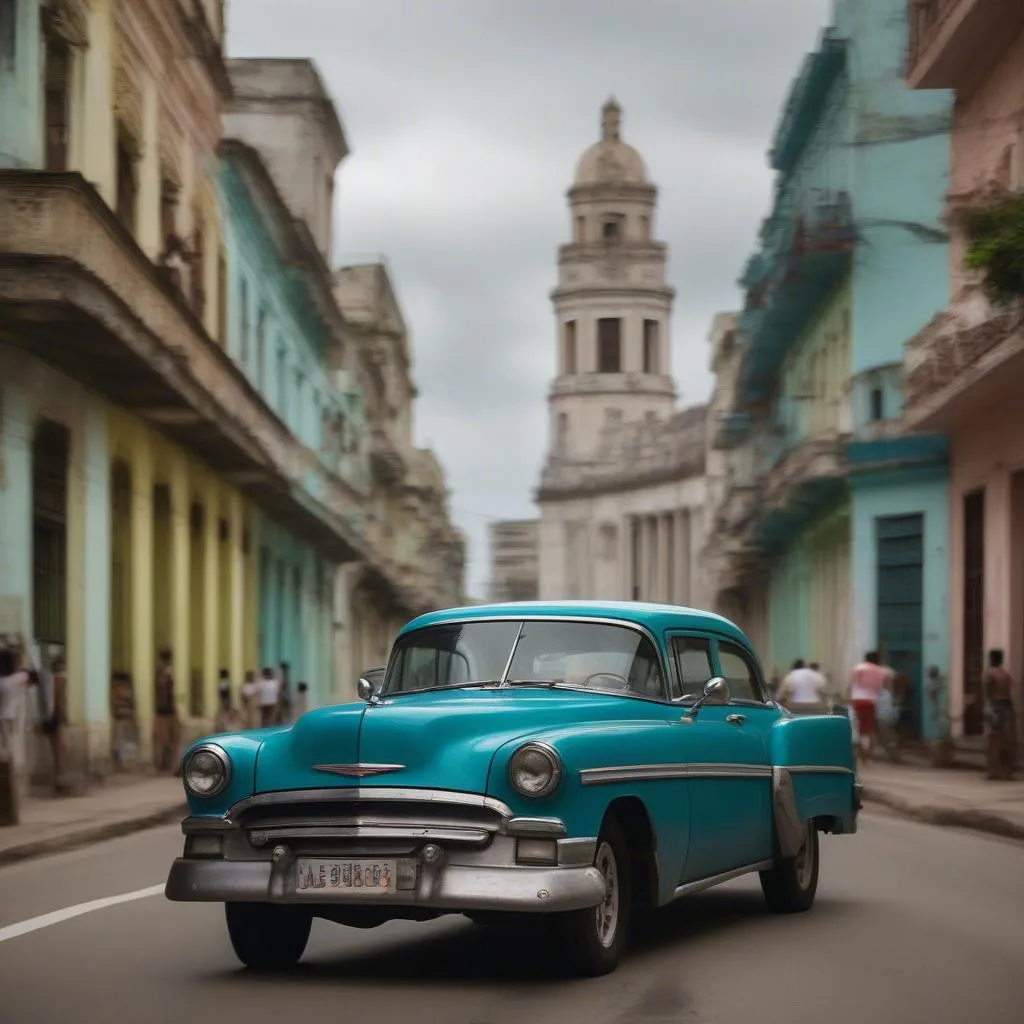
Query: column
(626, 558)
(236, 572)
(92, 475)
(211, 589)
(77, 581)
(693, 533)
(253, 597)
(147, 202)
(143, 655)
(662, 526)
(344, 654)
(682, 558)
(653, 558)
(16, 416)
(643, 569)
(181, 582)
(99, 165)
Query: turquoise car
(574, 759)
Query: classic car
(575, 759)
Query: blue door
(729, 778)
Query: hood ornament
(358, 771)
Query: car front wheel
(266, 937)
(594, 939)
(790, 887)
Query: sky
(466, 119)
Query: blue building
(843, 545)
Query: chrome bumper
(447, 887)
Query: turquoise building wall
(21, 112)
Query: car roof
(656, 617)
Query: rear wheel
(594, 939)
(267, 937)
(790, 887)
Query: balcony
(386, 458)
(954, 42)
(968, 359)
(807, 250)
(804, 484)
(76, 291)
(731, 429)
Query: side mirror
(370, 683)
(716, 691)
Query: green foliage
(995, 231)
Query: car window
(598, 656)
(739, 672)
(693, 662)
(450, 654)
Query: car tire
(790, 887)
(593, 939)
(266, 937)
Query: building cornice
(665, 293)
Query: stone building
(830, 534)
(515, 570)
(965, 369)
(622, 489)
(185, 446)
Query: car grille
(434, 820)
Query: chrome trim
(358, 771)
(535, 828)
(576, 852)
(557, 768)
(263, 835)
(221, 755)
(446, 887)
(655, 772)
(195, 826)
(790, 829)
(689, 888)
(818, 769)
(735, 719)
(343, 793)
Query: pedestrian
(53, 706)
(125, 724)
(302, 701)
(226, 719)
(866, 680)
(269, 694)
(887, 715)
(166, 727)
(284, 694)
(224, 685)
(802, 689)
(250, 700)
(1001, 731)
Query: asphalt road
(912, 923)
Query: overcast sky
(466, 119)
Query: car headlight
(535, 769)
(207, 770)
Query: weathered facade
(407, 520)
(185, 453)
(965, 369)
(515, 571)
(833, 519)
(622, 490)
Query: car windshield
(548, 652)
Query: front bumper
(446, 887)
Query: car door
(727, 771)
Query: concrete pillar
(16, 426)
(663, 524)
(143, 655)
(99, 154)
(147, 201)
(252, 597)
(181, 581)
(682, 558)
(236, 605)
(213, 621)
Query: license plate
(348, 877)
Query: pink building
(965, 370)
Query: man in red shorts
(866, 681)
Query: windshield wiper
(445, 686)
(549, 683)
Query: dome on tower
(611, 161)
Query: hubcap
(607, 912)
(805, 859)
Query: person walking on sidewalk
(270, 692)
(1001, 734)
(166, 728)
(53, 699)
(866, 681)
(802, 690)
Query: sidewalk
(945, 797)
(121, 805)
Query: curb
(93, 834)
(979, 821)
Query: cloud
(466, 119)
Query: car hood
(440, 740)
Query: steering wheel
(620, 682)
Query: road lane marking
(33, 924)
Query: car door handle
(735, 719)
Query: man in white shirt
(803, 688)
